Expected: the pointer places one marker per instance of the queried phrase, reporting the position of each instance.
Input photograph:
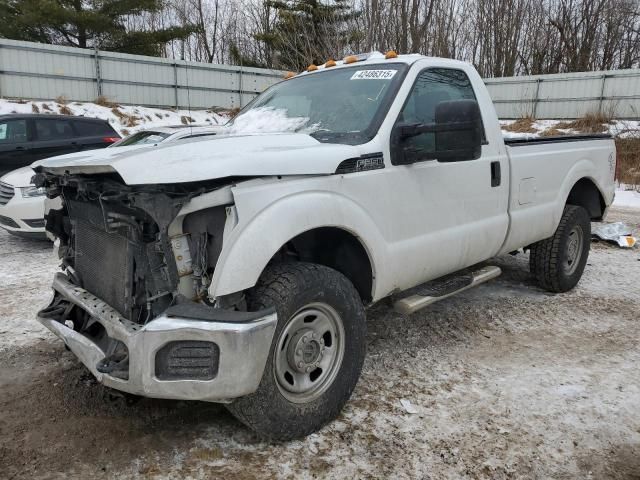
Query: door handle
(496, 174)
(20, 148)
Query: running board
(444, 287)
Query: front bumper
(243, 347)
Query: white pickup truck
(238, 269)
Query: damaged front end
(132, 303)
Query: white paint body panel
(553, 168)
(21, 208)
(19, 178)
(416, 222)
(210, 158)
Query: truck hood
(209, 158)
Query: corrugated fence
(568, 95)
(38, 71)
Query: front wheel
(316, 355)
(558, 261)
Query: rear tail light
(110, 139)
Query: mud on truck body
(237, 269)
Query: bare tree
(500, 37)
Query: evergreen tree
(238, 58)
(83, 24)
(308, 31)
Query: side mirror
(457, 135)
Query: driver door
(454, 213)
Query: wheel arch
(337, 221)
(586, 194)
(336, 248)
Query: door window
(432, 86)
(53, 129)
(13, 131)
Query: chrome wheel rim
(573, 254)
(309, 353)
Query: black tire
(551, 261)
(290, 288)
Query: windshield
(345, 105)
(141, 138)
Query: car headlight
(28, 192)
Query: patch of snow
(627, 198)
(542, 125)
(27, 269)
(625, 128)
(125, 119)
(511, 135)
(408, 406)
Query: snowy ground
(125, 119)
(617, 128)
(507, 382)
(627, 196)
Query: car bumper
(23, 216)
(243, 348)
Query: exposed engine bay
(116, 241)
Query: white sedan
(22, 203)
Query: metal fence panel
(568, 95)
(135, 94)
(31, 70)
(43, 72)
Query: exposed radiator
(104, 264)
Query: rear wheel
(316, 355)
(558, 262)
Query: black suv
(27, 138)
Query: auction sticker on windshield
(373, 74)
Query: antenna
(240, 86)
(186, 69)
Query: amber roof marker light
(350, 59)
(390, 54)
(288, 75)
(330, 63)
(312, 68)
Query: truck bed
(543, 171)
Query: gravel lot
(507, 381)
